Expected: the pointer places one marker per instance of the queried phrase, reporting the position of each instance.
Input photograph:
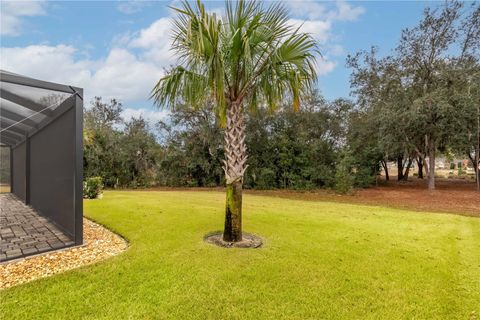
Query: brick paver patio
(24, 232)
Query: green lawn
(321, 260)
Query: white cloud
(12, 12)
(121, 75)
(314, 10)
(308, 9)
(318, 29)
(152, 116)
(55, 63)
(346, 12)
(155, 42)
(131, 7)
(321, 31)
(335, 50)
(153, 36)
(124, 76)
(318, 19)
(127, 73)
(325, 66)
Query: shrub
(266, 179)
(343, 177)
(364, 177)
(92, 187)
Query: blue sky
(120, 48)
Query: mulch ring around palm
(249, 240)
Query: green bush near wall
(92, 187)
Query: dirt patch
(100, 244)
(451, 196)
(248, 240)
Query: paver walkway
(24, 232)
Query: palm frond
(252, 56)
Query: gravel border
(99, 244)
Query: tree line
(288, 149)
(408, 106)
(424, 97)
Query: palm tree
(251, 58)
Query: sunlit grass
(320, 260)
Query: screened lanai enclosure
(41, 166)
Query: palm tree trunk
(234, 167)
(233, 213)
